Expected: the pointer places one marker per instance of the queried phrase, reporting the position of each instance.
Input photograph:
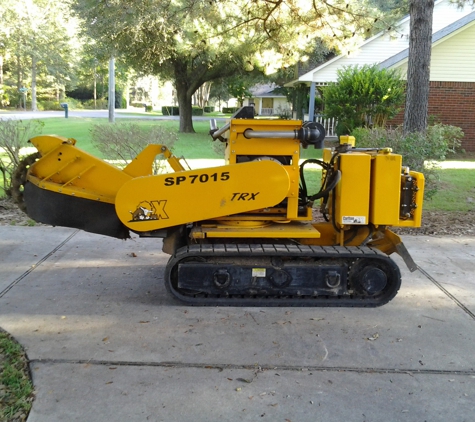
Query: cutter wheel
(281, 275)
(19, 178)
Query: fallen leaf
(374, 337)
(317, 319)
(238, 389)
(133, 255)
(244, 380)
(105, 339)
(144, 322)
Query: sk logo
(150, 210)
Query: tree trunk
(33, 83)
(418, 70)
(1, 69)
(95, 88)
(184, 104)
(184, 95)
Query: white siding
(453, 58)
(372, 52)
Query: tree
(192, 42)
(36, 44)
(418, 68)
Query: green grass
(15, 383)
(456, 191)
(189, 145)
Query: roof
(266, 91)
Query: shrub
(170, 111)
(124, 141)
(148, 108)
(14, 135)
(230, 110)
(209, 109)
(363, 97)
(196, 111)
(420, 151)
(101, 104)
(49, 105)
(283, 113)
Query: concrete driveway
(106, 342)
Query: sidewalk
(107, 343)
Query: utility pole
(111, 90)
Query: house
(452, 73)
(267, 100)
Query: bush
(148, 108)
(230, 110)
(420, 151)
(100, 104)
(49, 105)
(196, 111)
(170, 111)
(209, 109)
(14, 135)
(124, 141)
(363, 96)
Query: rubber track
(210, 251)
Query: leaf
(374, 337)
(244, 380)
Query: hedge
(230, 110)
(170, 111)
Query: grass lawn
(456, 193)
(190, 145)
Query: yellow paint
(385, 189)
(353, 191)
(196, 195)
(293, 230)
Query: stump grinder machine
(244, 233)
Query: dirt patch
(443, 223)
(11, 215)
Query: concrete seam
(253, 367)
(33, 267)
(447, 293)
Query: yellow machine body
(258, 196)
